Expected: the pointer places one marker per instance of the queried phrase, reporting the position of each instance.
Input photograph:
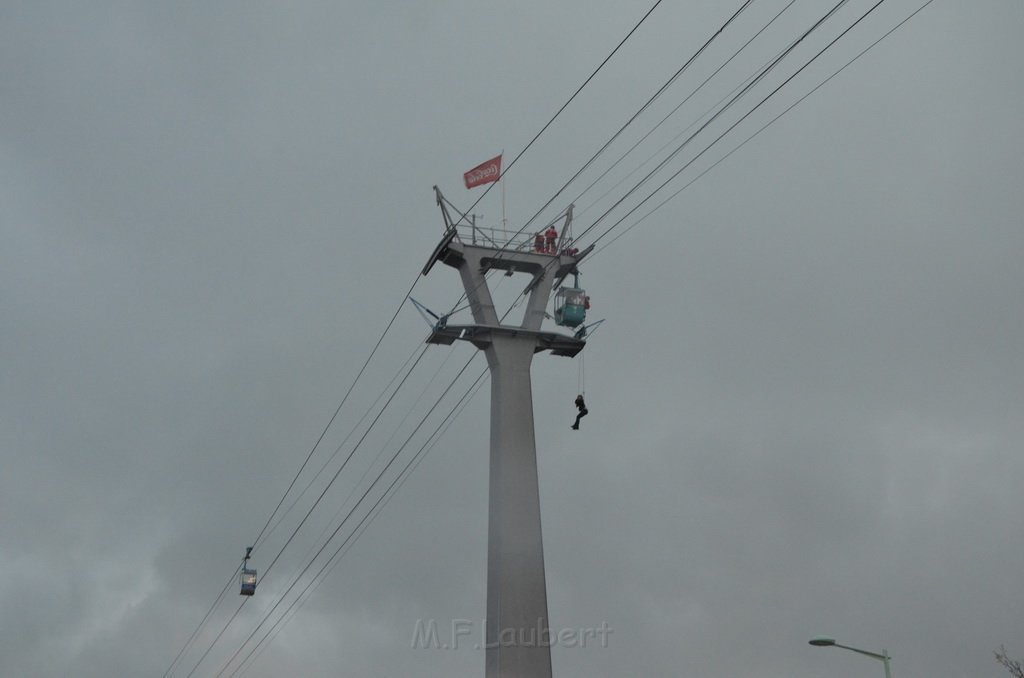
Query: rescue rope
(581, 376)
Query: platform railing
(495, 237)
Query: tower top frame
(475, 251)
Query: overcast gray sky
(805, 402)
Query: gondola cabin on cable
(248, 581)
(571, 304)
(248, 577)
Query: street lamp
(825, 641)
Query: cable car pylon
(518, 639)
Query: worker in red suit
(538, 242)
(551, 236)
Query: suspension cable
(195, 632)
(337, 450)
(685, 143)
(371, 515)
(763, 127)
(639, 112)
(678, 106)
(345, 519)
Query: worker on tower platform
(583, 411)
(551, 236)
(538, 242)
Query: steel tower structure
(517, 633)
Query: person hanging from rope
(583, 411)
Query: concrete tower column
(517, 606)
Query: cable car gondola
(248, 578)
(571, 304)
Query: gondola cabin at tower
(571, 304)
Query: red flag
(486, 173)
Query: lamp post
(825, 641)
